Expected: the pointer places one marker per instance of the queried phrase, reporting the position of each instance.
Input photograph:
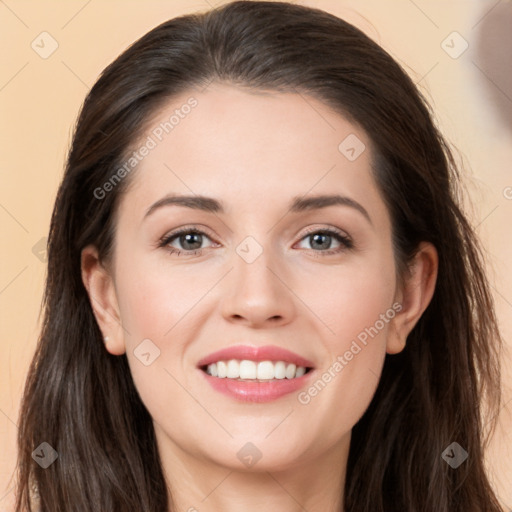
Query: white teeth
(222, 369)
(251, 370)
(300, 371)
(213, 370)
(290, 371)
(280, 370)
(265, 370)
(233, 370)
(247, 370)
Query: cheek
(354, 301)
(358, 312)
(159, 302)
(360, 307)
(156, 303)
(153, 298)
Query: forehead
(251, 149)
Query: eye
(188, 239)
(321, 240)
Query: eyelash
(345, 241)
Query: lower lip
(257, 391)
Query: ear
(414, 296)
(102, 295)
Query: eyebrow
(298, 204)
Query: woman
(201, 349)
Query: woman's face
(267, 267)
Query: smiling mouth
(255, 371)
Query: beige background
(40, 97)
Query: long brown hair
(82, 401)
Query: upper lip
(265, 353)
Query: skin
(254, 151)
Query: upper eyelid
(326, 229)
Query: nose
(256, 294)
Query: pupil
(188, 239)
(315, 237)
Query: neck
(200, 484)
